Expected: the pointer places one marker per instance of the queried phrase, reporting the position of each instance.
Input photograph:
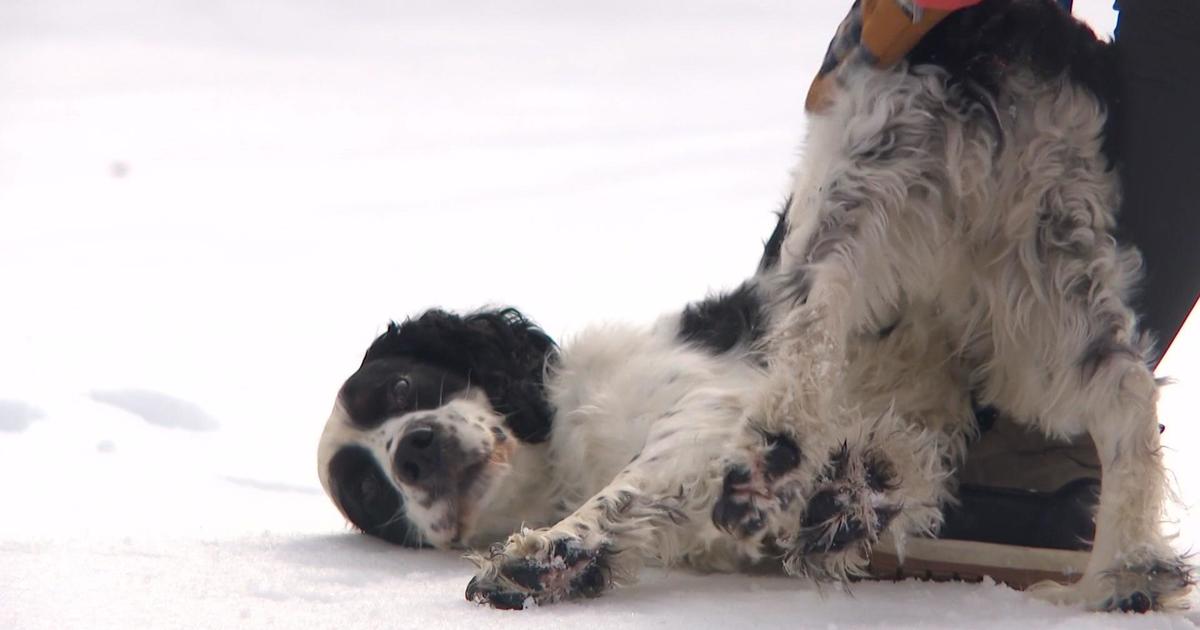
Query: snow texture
(16, 416)
(158, 409)
(208, 210)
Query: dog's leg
(816, 472)
(1132, 565)
(655, 509)
(890, 476)
(824, 491)
(865, 179)
(893, 474)
(581, 556)
(796, 428)
(822, 480)
(1063, 351)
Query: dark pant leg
(1158, 126)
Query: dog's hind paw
(539, 567)
(1157, 585)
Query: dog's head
(422, 434)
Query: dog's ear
(498, 350)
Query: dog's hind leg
(1062, 349)
(1111, 394)
(656, 509)
(1132, 566)
(1112, 397)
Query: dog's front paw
(751, 496)
(854, 501)
(539, 567)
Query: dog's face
(421, 436)
(410, 451)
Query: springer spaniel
(460, 429)
(948, 236)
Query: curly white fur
(997, 259)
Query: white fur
(997, 258)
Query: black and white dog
(948, 236)
(460, 429)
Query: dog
(459, 429)
(965, 204)
(947, 243)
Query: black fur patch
(738, 317)
(392, 386)
(499, 351)
(363, 493)
(725, 321)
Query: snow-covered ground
(208, 209)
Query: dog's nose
(419, 456)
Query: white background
(209, 209)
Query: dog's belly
(616, 386)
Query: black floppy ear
(499, 350)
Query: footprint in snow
(270, 486)
(158, 409)
(16, 416)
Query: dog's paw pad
(750, 493)
(736, 510)
(829, 524)
(851, 507)
(781, 456)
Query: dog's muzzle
(430, 458)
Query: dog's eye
(400, 389)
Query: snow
(207, 210)
(157, 408)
